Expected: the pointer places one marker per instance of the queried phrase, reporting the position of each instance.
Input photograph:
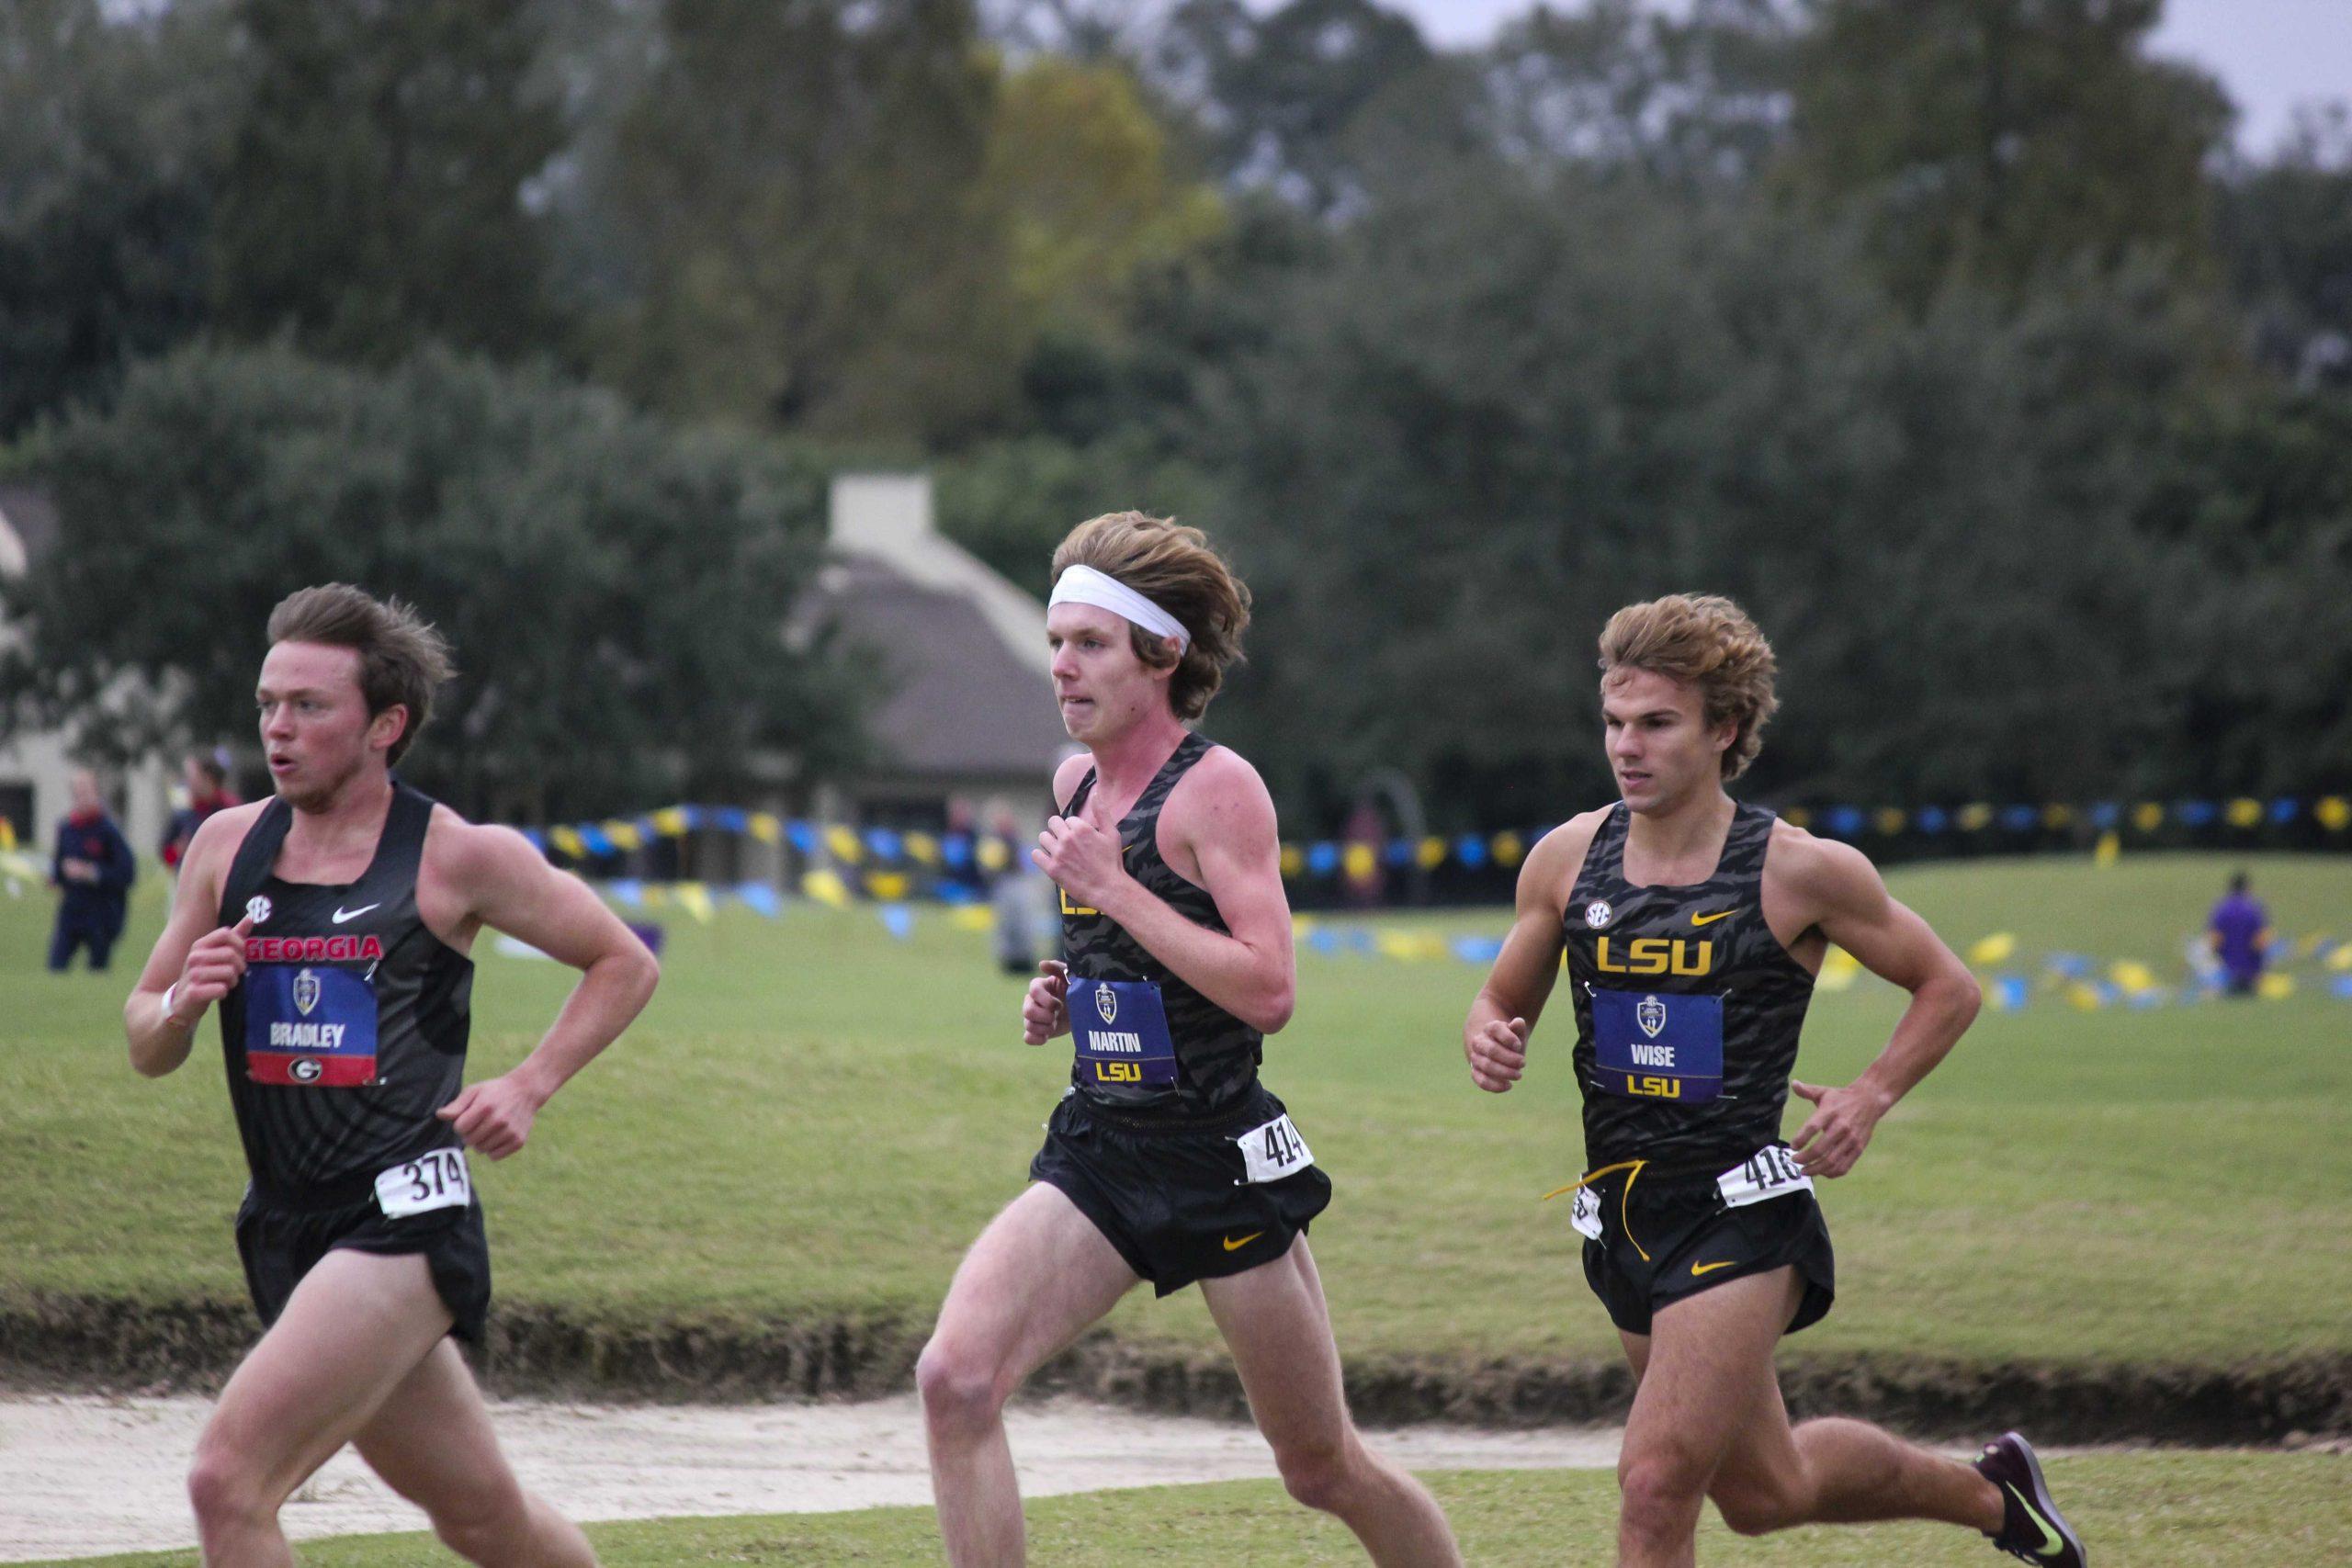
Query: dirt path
(83, 1474)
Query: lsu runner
(1692, 925)
(1167, 1159)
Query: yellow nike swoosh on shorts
(1710, 1268)
(1699, 919)
(1233, 1246)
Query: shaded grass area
(2166, 1510)
(813, 1119)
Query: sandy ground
(81, 1475)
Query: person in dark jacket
(93, 870)
(207, 792)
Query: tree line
(1952, 337)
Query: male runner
(1693, 927)
(332, 924)
(1166, 1160)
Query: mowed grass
(813, 1119)
(2153, 1510)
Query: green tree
(2287, 234)
(1998, 140)
(797, 194)
(109, 147)
(617, 593)
(377, 193)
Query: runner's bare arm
(504, 884)
(195, 959)
(1502, 1015)
(1221, 814)
(1841, 891)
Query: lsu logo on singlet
(1655, 955)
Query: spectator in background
(92, 870)
(1026, 925)
(207, 792)
(2239, 931)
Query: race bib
(1583, 1213)
(437, 1180)
(1121, 1028)
(1273, 1151)
(1653, 1046)
(310, 1025)
(1770, 1172)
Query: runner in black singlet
(1691, 928)
(1166, 1160)
(332, 925)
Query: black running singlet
(1688, 1006)
(1147, 1043)
(349, 1029)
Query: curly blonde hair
(1175, 568)
(1708, 641)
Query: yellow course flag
(1509, 848)
(2274, 987)
(2245, 813)
(922, 849)
(1357, 860)
(972, 917)
(1429, 854)
(568, 840)
(8, 835)
(842, 842)
(1839, 969)
(2335, 813)
(695, 898)
(2083, 996)
(624, 835)
(1293, 859)
(671, 821)
(2109, 851)
(887, 885)
(1993, 949)
(825, 885)
(766, 828)
(2148, 815)
(995, 855)
(2132, 974)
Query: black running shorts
(1675, 1238)
(278, 1246)
(1174, 1197)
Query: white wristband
(167, 1002)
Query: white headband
(1084, 585)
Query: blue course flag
(761, 896)
(898, 919)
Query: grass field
(813, 1119)
(2176, 1510)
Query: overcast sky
(2270, 54)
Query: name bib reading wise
(1652, 1046)
(1121, 1027)
(309, 1026)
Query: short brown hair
(402, 659)
(1708, 641)
(1176, 568)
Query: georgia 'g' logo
(1651, 1016)
(257, 908)
(306, 992)
(1106, 1002)
(304, 1070)
(1598, 913)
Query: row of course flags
(840, 863)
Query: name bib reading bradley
(1652, 1046)
(309, 1026)
(1121, 1027)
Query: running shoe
(2032, 1530)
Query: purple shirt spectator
(2238, 923)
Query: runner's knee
(487, 1523)
(1318, 1474)
(960, 1388)
(1659, 1486)
(226, 1491)
(1760, 1507)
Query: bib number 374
(1273, 1151)
(436, 1180)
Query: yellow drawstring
(1623, 1219)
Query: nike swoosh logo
(341, 915)
(1711, 919)
(1233, 1246)
(2050, 1539)
(1710, 1268)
